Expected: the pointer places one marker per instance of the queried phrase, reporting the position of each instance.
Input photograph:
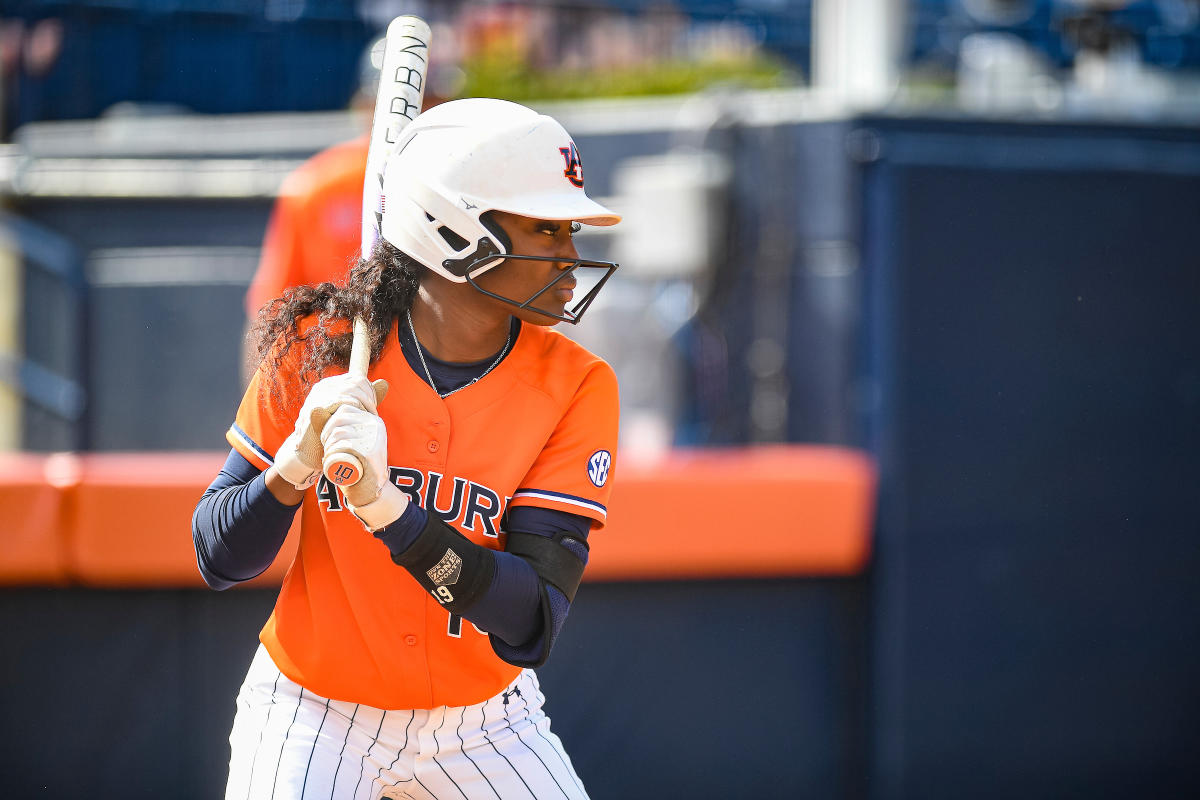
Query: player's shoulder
(552, 345)
(559, 365)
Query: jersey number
(454, 628)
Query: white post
(856, 50)
(11, 349)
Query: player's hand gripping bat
(405, 64)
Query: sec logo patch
(598, 466)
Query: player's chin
(539, 316)
(547, 311)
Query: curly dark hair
(380, 289)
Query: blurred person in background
(28, 50)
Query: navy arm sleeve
(551, 606)
(238, 526)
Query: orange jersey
(316, 226)
(539, 429)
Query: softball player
(397, 661)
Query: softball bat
(398, 100)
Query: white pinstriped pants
(291, 744)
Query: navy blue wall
(1031, 338)
(711, 690)
(209, 57)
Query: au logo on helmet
(574, 169)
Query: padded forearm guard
(448, 565)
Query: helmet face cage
(571, 315)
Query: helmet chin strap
(484, 252)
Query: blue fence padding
(1030, 335)
(256, 9)
(727, 689)
(50, 372)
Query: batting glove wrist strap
(296, 466)
(383, 510)
(448, 565)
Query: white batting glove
(374, 499)
(298, 460)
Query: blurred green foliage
(511, 79)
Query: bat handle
(344, 469)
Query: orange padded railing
(123, 520)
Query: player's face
(522, 279)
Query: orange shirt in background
(316, 226)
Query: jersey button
(410, 640)
(434, 446)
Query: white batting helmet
(462, 159)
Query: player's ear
(488, 220)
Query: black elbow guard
(448, 565)
(551, 558)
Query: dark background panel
(122, 694)
(1037, 536)
(657, 690)
(94, 223)
(721, 689)
(161, 350)
(161, 338)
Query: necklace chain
(429, 375)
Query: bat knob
(342, 469)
